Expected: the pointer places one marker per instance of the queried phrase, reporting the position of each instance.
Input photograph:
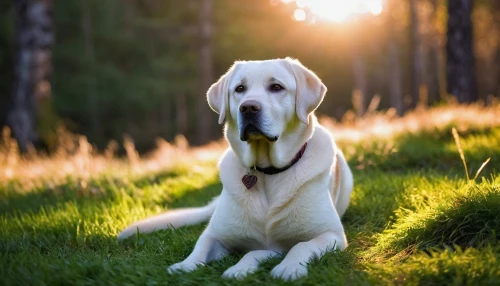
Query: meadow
(425, 208)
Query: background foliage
(132, 67)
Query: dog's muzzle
(250, 121)
(250, 129)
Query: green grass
(413, 219)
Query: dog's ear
(218, 94)
(310, 90)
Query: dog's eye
(240, 88)
(276, 87)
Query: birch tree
(32, 67)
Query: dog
(285, 183)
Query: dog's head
(263, 97)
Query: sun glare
(299, 15)
(335, 10)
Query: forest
(104, 122)
(141, 68)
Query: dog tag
(249, 181)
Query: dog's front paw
(238, 271)
(186, 266)
(289, 271)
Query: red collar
(249, 180)
(273, 170)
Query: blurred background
(140, 68)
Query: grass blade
(460, 150)
(482, 167)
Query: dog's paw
(238, 271)
(184, 266)
(289, 271)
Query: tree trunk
(206, 72)
(434, 67)
(460, 75)
(417, 55)
(496, 88)
(88, 37)
(394, 79)
(165, 117)
(395, 83)
(360, 95)
(181, 113)
(33, 67)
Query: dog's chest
(260, 217)
(277, 212)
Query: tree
(460, 75)
(395, 83)
(89, 51)
(360, 95)
(434, 67)
(418, 55)
(205, 69)
(34, 38)
(496, 73)
(394, 64)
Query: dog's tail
(174, 218)
(345, 184)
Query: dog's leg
(207, 248)
(248, 264)
(295, 263)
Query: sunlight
(335, 10)
(299, 15)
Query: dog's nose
(250, 107)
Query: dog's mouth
(251, 132)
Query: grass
(414, 217)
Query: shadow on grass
(96, 190)
(195, 197)
(65, 233)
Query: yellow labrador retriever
(285, 183)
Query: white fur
(175, 218)
(296, 211)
